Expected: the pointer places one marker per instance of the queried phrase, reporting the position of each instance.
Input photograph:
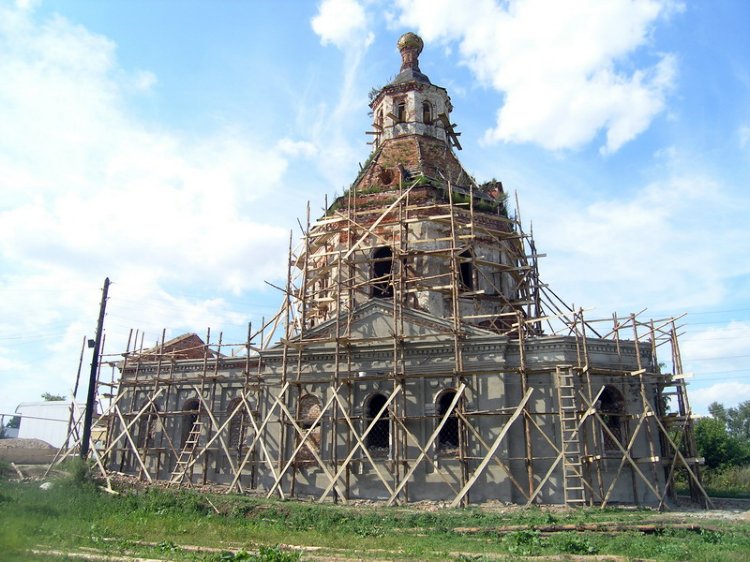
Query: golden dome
(410, 41)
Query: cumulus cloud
(297, 148)
(89, 190)
(642, 246)
(728, 393)
(567, 70)
(342, 23)
(719, 355)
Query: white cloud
(144, 80)
(727, 393)
(717, 353)
(565, 68)
(717, 344)
(640, 247)
(291, 147)
(89, 191)
(343, 23)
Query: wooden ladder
(186, 455)
(571, 445)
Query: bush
(571, 543)
(718, 447)
(79, 474)
(728, 481)
(524, 543)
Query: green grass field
(75, 518)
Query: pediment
(375, 320)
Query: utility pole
(91, 397)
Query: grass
(730, 482)
(726, 482)
(74, 515)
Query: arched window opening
(447, 441)
(426, 113)
(147, 427)
(466, 271)
(382, 268)
(379, 439)
(611, 410)
(190, 409)
(236, 424)
(309, 410)
(401, 112)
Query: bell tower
(411, 104)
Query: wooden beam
(485, 461)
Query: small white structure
(47, 421)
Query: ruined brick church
(415, 356)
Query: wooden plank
(430, 440)
(258, 433)
(312, 450)
(359, 444)
(132, 444)
(303, 442)
(371, 229)
(482, 465)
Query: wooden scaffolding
(250, 423)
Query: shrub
(524, 543)
(730, 480)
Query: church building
(416, 355)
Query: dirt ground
(26, 451)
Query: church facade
(416, 356)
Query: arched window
(379, 439)
(447, 441)
(426, 113)
(611, 410)
(466, 271)
(382, 268)
(309, 410)
(190, 411)
(236, 424)
(401, 112)
(147, 426)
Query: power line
(688, 359)
(719, 311)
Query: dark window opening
(426, 113)
(379, 438)
(611, 410)
(401, 112)
(466, 271)
(448, 437)
(147, 427)
(382, 269)
(190, 410)
(236, 425)
(309, 410)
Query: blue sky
(172, 145)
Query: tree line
(724, 438)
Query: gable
(374, 320)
